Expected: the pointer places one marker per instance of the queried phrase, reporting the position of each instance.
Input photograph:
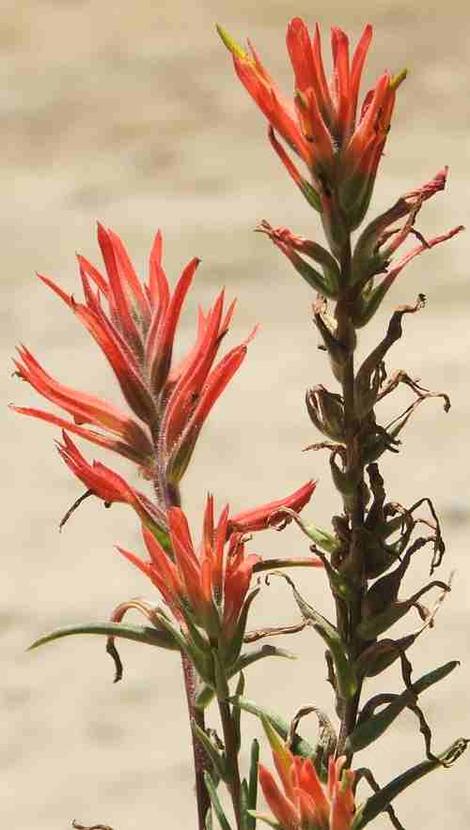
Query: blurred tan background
(129, 112)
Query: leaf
(369, 730)
(378, 802)
(345, 673)
(236, 714)
(253, 784)
(266, 818)
(215, 801)
(138, 633)
(299, 747)
(259, 654)
(231, 652)
(327, 738)
(211, 751)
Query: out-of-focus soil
(130, 113)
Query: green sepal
(366, 732)
(367, 305)
(138, 633)
(312, 276)
(322, 257)
(162, 536)
(230, 651)
(345, 672)
(379, 802)
(231, 44)
(310, 194)
(324, 540)
(215, 801)
(215, 757)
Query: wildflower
(304, 803)
(109, 485)
(210, 583)
(340, 144)
(134, 323)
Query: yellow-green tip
(231, 44)
(398, 79)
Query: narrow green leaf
(345, 673)
(299, 747)
(378, 802)
(267, 819)
(245, 818)
(236, 713)
(138, 633)
(205, 696)
(211, 751)
(253, 784)
(209, 822)
(215, 801)
(260, 653)
(368, 731)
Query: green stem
(231, 754)
(349, 614)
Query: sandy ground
(129, 113)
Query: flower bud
(326, 412)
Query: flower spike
(134, 324)
(340, 146)
(304, 803)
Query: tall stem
(196, 715)
(170, 495)
(349, 616)
(231, 753)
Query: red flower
(212, 583)
(108, 485)
(134, 324)
(268, 515)
(304, 803)
(340, 145)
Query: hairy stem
(196, 715)
(349, 614)
(170, 496)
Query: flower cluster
(134, 324)
(340, 143)
(209, 583)
(304, 803)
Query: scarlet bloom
(109, 485)
(134, 323)
(340, 143)
(303, 803)
(210, 583)
(271, 514)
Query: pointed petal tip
(231, 44)
(398, 79)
